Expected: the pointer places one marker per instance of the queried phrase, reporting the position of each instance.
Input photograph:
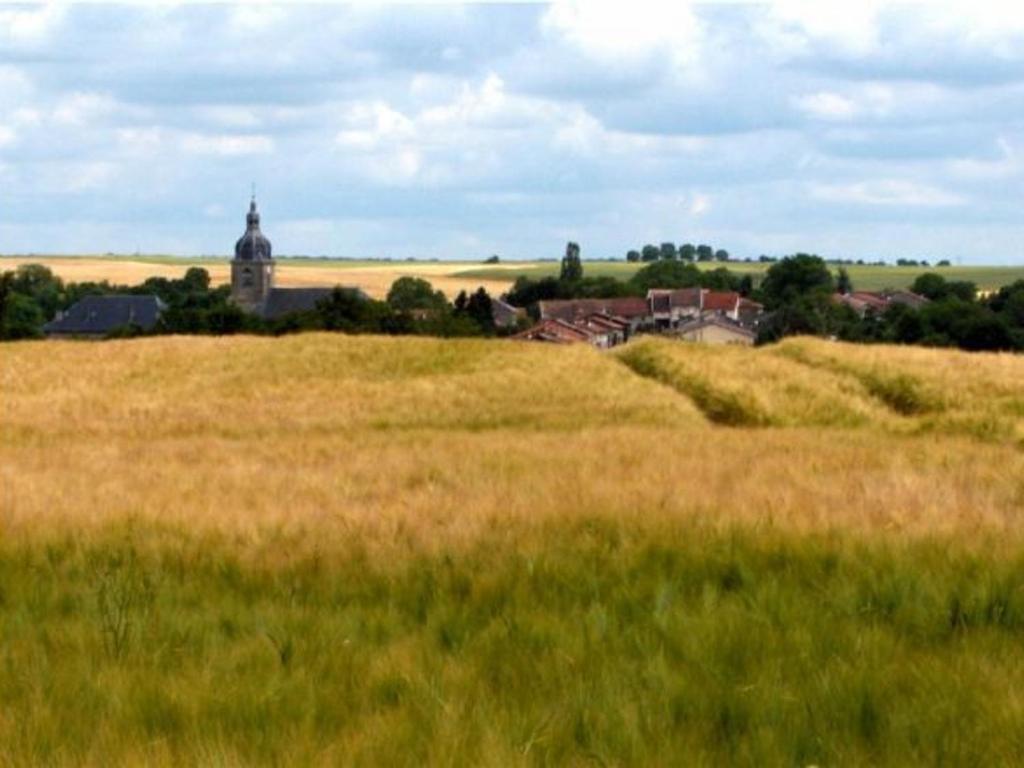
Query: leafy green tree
(572, 266)
(40, 285)
(668, 252)
(1008, 301)
(930, 285)
(633, 256)
(479, 309)
(795, 277)
(705, 253)
(21, 318)
(196, 280)
(721, 255)
(688, 252)
(665, 274)
(843, 283)
(649, 253)
(409, 293)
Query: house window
(246, 277)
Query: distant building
(252, 277)
(878, 302)
(672, 308)
(504, 314)
(598, 329)
(98, 316)
(634, 310)
(715, 330)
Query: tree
(196, 280)
(665, 274)
(843, 283)
(572, 267)
(721, 255)
(633, 256)
(494, 259)
(22, 317)
(943, 263)
(746, 286)
(931, 286)
(39, 284)
(478, 308)
(687, 252)
(794, 277)
(705, 253)
(668, 252)
(409, 293)
(649, 253)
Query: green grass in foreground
(594, 642)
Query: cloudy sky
(872, 131)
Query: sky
(853, 130)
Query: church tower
(252, 269)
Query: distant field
(375, 277)
(868, 278)
(377, 551)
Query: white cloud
(81, 108)
(886, 192)
(798, 26)
(7, 135)
(227, 145)
(826, 106)
(619, 32)
(699, 204)
(30, 25)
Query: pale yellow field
(437, 441)
(374, 278)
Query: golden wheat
(431, 440)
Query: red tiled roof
(570, 309)
(553, 329)
(721, 301)
(687, 297)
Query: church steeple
(252, 269)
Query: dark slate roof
(99, 315)
(253, 245)
(285, 301)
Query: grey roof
(99, 315)
(721, 322)
(253, 245)
(285, 301)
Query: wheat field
(328, 549)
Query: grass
(328, 549)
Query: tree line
(32, 295)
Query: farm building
(99, 316)
(863, 302)
(598, 329)
(715, 330)
(633, 309)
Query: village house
(95, 317)
(878, 302)
(715, 330)
(599, 329)
(505, 315)
(672, 308)
(695, 314)
(633, 309)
